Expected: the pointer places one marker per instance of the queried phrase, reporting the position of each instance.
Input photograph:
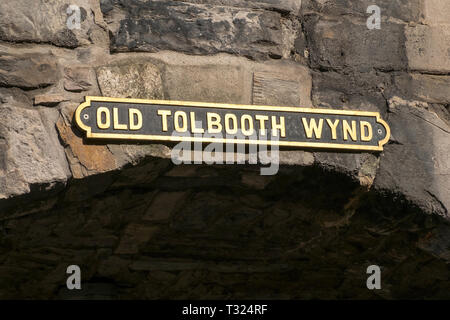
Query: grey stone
(27, 71)
(33, 155)
(424, 87)
(44, 21)
(417, 165)
(354, 91)
(404, 10)
(198, 29)
(285, 6)
(347, 44)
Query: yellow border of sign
(120, 136)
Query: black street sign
(160, 120)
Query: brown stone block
(84, 158)
(49, 100)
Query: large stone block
(418, 164)
(428, 48)
(45, 21)
(347, 43)
(284, 6)
(32, 156)
(131, 80)
(424, 87)
(354, 91)
(27, 70)
(208, 83)
(198, 29)
(225, 79)
(411, 10)
(78, 79)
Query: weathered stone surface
(354, 91)
(31, 154)
(292, 158)
(198, 29)
(347, 44)
(78, 79)
(268, 87)
(424, 87)
(208, 83)
(49, 100)
(436, 11)
(404, 10)
(83, 159)
(285, 6)
(224, 79)
(27, 71)
(418, 164)
(46, 22)
(428, 48)
(131, 81)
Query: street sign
(161, 120)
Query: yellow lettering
(176, 121)
(312, 126)
(262, 125)
(135, 125)
(347, 130)
(213, 120)
(232, 117)
(364, 137)
(247, 131)
(194, 129)
(164, 114)
(117, 125)
(333, 127)
(281, 126)
(107, 123)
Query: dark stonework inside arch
(224, 232)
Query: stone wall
(141, 227)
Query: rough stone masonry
(141, 227)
